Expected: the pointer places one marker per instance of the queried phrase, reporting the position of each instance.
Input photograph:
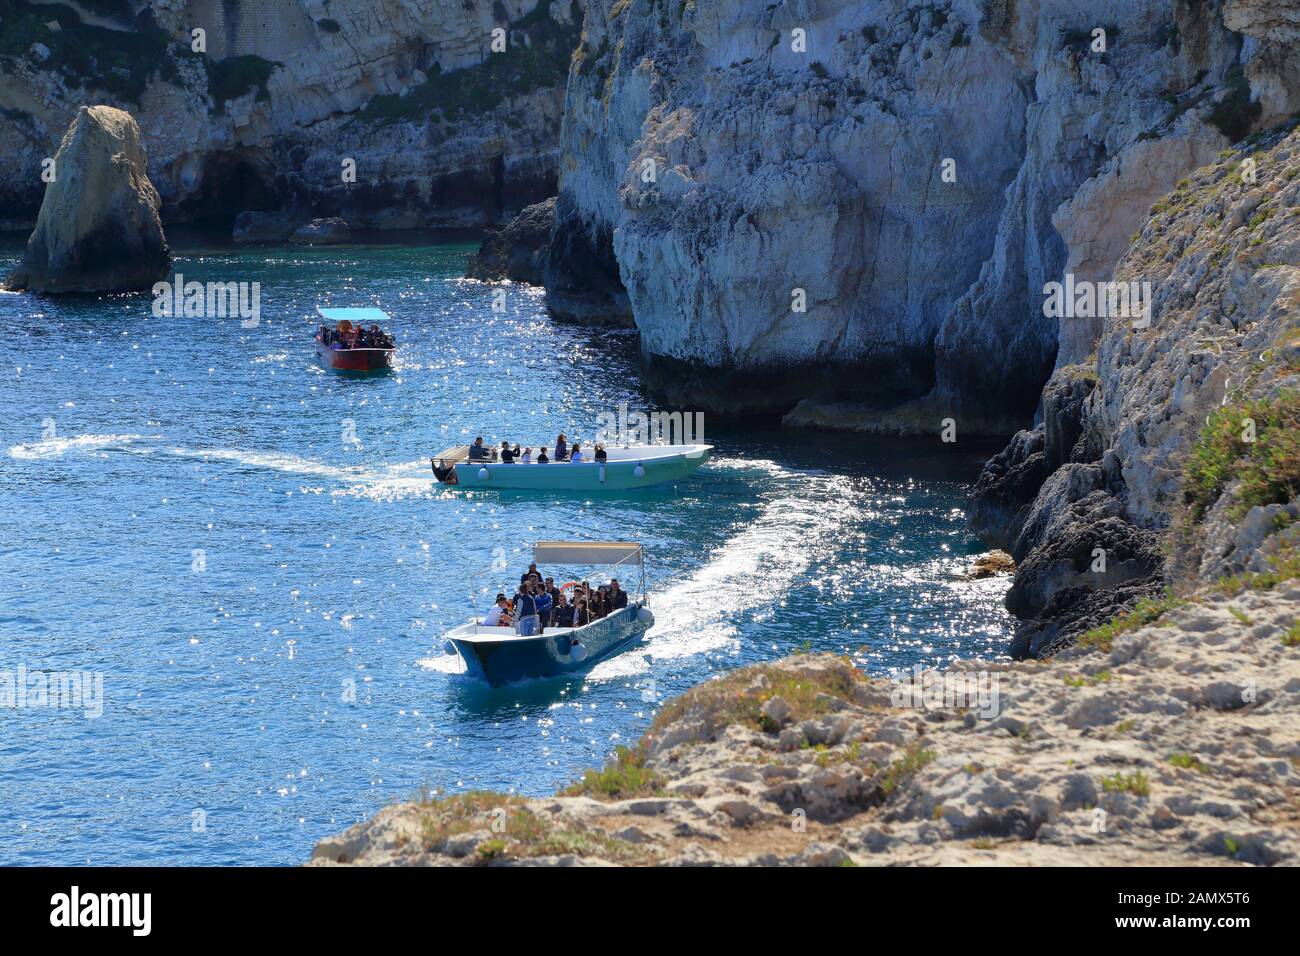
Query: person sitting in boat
(555, 593)
(600, 455)
(561, 448)
(581, 616)
(617, 596)
(541, 457)
(562, 614)
(532, 572)
(527, 457)
(499, 614)
(576, 455)
(508, 454)
(478, 451)
(544, 606)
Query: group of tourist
(509, 454)
(539, 604)
(348, 336)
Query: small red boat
(332, 350)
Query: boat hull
(623, 475)
(356, 360)
(512, 660)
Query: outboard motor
(445, 474)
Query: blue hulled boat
(503, 655)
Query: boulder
(990, 565)
(98, 228)
(517, 251)
(254, 227)
(321, 232)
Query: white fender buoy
(639, 471)
(482, 474)
(645, 616)
(448, 647)
(578, 652)
(602, 474)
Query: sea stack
(98, 228)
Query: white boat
(638, 466)
(502, 655)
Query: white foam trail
(383, 483)
(404, 480)
(755, 568)
(273, 461)
(443, 664)
(56, 447)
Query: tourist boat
(502, 655)
(354, 360)
(637, 466)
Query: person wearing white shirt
(499, 615)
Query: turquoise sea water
(288, 681)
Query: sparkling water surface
(289, 681)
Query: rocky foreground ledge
(1172, 742)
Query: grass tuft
(1146, 611)
(1135, 783)
(623, 777)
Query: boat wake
(752, 573)
(377, 482)
(57, 447)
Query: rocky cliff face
(98, 229)
(1171, 458)
(290, 97)
(853, 208)
(1171, 745)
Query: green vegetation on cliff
(623, 777)
(119, 62)
(517, 831)
(238, 76)
(536, 56)
(1256, 443)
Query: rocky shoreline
(1174, 743)
(1168, 460)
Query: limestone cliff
(389, 113)
(98, 229)
(853, 207)
(1170, 458)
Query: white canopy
(366, 314)
(586, 552)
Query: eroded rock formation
(1167, 461)
(910, 176)
(98, 228)
(394, 114)
(517, 251)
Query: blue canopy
(354, 315)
